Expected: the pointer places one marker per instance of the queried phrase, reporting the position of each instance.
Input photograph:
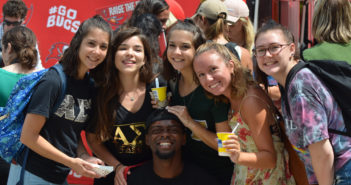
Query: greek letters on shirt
(128, 138)
(74, 109)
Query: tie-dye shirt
(313, 110)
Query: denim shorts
(29, 178)
(343, 175)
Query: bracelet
(117, 166)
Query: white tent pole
(256, 15)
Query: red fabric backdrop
(54, 22)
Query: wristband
(117, 166)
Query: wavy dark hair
(23, 45)
(169, 73)
(151, 27)
(70, 60)
(148, 6)
(15, 8)
(109, 92)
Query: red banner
(55, 22)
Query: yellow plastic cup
(222, 136)
(160, 94)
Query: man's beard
(165, 155)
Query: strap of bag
(231, 46)
(59, 70)
(21, 181)
(290, 76)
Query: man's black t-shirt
(128, 143)
(61, 129)
(191, 175)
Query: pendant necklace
(131, 98)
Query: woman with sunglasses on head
(256, 147)
(312, 109)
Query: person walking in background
(202, 116)
(331, 27)
(14, 13)
(211, 17)
(151, 27)
(160, 9)
(53, 138)
(256, 148)
(20, 58)
(117, 131)
(240, 29)
(241, 32)
(313, 109)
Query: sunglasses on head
(14, 23)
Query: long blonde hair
(216, 28)
(332, 21)
(249, 33)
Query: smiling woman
(326, 156)
(92, 51)
(117, 131)
(256, 149)
(202, 116)
(52, 137)
(130, 56)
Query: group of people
(208, 67)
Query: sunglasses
(229, 23)
(14, 23)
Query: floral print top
(244, 175)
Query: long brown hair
(23, 44)
(70, 60)
(169, 73)
(107, 100)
